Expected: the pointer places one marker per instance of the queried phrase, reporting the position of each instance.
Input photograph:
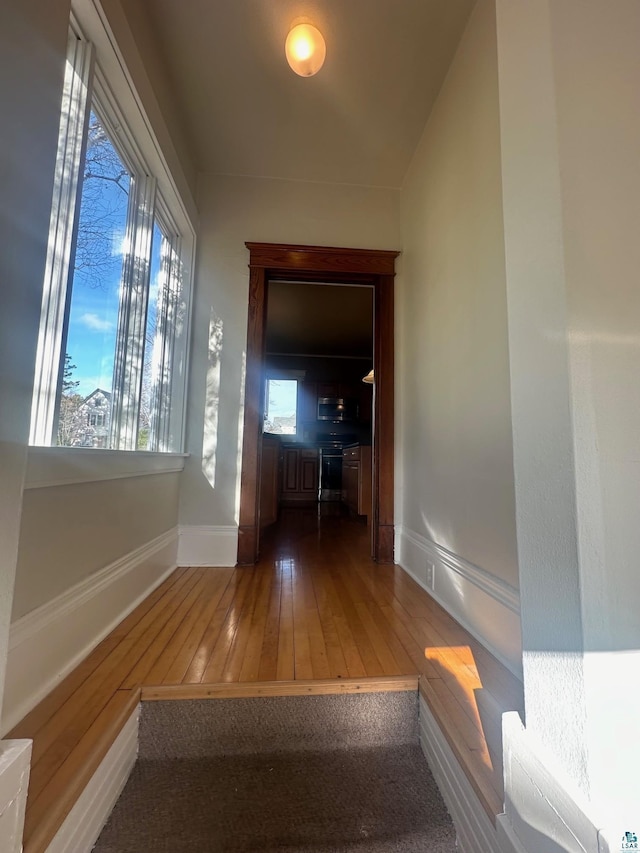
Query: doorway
(313, 264)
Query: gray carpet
(308, 773)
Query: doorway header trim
(286, 256)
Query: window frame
(99, 73)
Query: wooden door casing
(305, 264)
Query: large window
(110, 366)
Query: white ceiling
(358, 121)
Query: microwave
(337, 409)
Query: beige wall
(232, 211)
(455, 470)
(69, 532)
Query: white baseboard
(507, 839)
(85, 821)
(483, 604)
(202, 545)
(544, 810)
(475, 832)
(15, 757)
(46, 644)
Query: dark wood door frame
(306, 264)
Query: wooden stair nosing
(300, 687)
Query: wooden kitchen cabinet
(308, 401)
(337, 389)
(350, 480)
(328, 389)
(356, 479)
(299, 474)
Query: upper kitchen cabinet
(308, 401)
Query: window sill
(63, 466)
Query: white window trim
(168, 360)
(89, 22)
(75, 101)
(132, 316)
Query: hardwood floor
(314, 615)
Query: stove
(335, 440)
(330, 445)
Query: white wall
(569, 78)
(69, 532)
(234, 210)
(454, 418)
(597, 72)
(33, 37)
(134, 36)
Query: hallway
(315, 615)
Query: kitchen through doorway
(317, 409)
(331, 401)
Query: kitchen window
(281, 407)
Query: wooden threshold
(248, 689)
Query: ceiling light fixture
(369, 378)
(305, 49)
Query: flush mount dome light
(305, 49)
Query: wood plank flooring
(314, 615)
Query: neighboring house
(85, 422)
(281, 425)
(95, 413)
(517, 412)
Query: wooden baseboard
(237, 690)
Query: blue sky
(93, 323)
(92, 334)
(93, 317)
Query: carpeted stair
(303, 773)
